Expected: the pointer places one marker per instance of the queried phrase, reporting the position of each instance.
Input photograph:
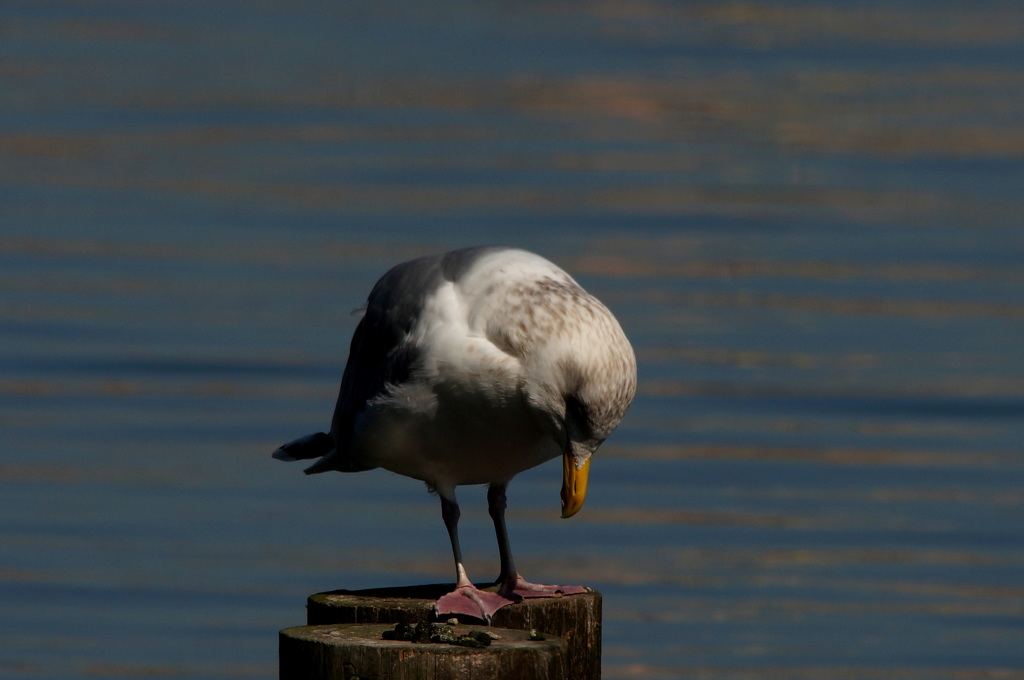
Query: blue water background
(808, 216)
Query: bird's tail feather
(311, 446)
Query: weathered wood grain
(358, 652)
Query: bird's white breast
(463, 417)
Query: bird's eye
(576, 411)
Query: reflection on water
(807, 218)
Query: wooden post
(358, 652)
(575, 618)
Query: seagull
(469, 368)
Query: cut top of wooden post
(575, 618)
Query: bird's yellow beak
(574, 484)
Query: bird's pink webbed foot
(520, 587)
(469, 600)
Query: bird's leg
(496, 504)
(513, 585)
(450, 513)
(466, 598)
